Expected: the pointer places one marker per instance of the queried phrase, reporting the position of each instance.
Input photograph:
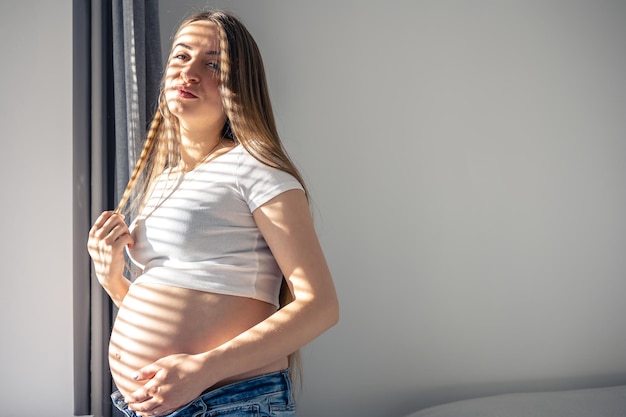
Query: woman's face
(192, 77)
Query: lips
(185, 93)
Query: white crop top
(197, 230)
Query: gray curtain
(117, 68)
(137, 73)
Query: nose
(189, 74)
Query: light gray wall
(467, 162)
(467, 167)
(36, 210)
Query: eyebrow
(184, 45)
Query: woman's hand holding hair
(107, 239)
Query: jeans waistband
(249, 389)
(278, 383)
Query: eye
(213, 65)
(180, 56)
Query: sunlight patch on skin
(156, 321)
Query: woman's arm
(287, 226)
(107, 239)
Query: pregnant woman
(232, 277)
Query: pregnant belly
(155, 321)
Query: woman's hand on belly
(169, 383)
(165, 334)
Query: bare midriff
(155, 321)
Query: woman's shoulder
(248, 161)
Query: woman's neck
(196, 147)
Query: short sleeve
(260, 183)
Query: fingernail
(135, 376)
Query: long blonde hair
(250, 121)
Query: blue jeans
(262, 396)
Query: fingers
(146, 401)
(104, 217)
(105, 223)
(147, 392)
(110, 227)
(150, 389)
(107, 239)
(147, 372)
